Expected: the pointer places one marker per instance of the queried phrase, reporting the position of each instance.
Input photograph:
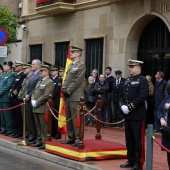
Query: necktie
(117, 82)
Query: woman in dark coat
(90, 99)
(163, 115)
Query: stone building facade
(119, 23)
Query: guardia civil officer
(56, 97)
(5, 84)
(132, 102)
(13, 93)
(39, 99)
(73, 90)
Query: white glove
(125, 109)
(33, 102)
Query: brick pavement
(110, 134)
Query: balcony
(56, 7)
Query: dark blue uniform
(16, 113)
(56, 97)
(134, 93)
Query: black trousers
(135, 141)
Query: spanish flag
(62, 116)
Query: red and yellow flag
(62, 116)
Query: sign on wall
(3, 51)
(3, 36)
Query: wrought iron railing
(48, 2)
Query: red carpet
(94, 150)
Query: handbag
(165, 131)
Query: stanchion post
(99, 104)
(51, 103)
(81, 130)
(23, 143)
(149, 151)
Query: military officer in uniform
(39, 99)
(73, 89)
(5, 85)
(132, 102)
(13, 93)
(56, 97)
(27, 72)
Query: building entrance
(154, 48)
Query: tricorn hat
(9, 63)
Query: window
(94, 55)
(36, 52)
(61, 50)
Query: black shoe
(136, 167)
(31, 139)
(7, 134)
(42, 147)
(68, 142)
(75, 144)
(35, 141)
(13, 134)
(16, 136)
(57, 136)
(2, 131)
(38, 144)
(126, 165)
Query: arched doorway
(154, 48)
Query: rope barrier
(12, 107)
(61, 114)
(88, 112)
(167, 150)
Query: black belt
(127, 102)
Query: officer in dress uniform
(13, 93)
(73, 90)
(56, 97)
(5, 84)
(39, 99)
(132, 102)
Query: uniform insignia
(54, 83)
(74, 69)
(15, 92)
(42, 85)
(6, 77)
(134, 82)
(16, 79)
(59, 84)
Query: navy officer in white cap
(132, 102)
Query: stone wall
(13, 5)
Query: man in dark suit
(109, 80)
(73, 89)
(118, 82)
(135, 91)
(56, 97)
(13, 93)
(159, 94)
(32, 81)
(5, 84)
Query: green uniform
(5, 102)
(74, 83)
